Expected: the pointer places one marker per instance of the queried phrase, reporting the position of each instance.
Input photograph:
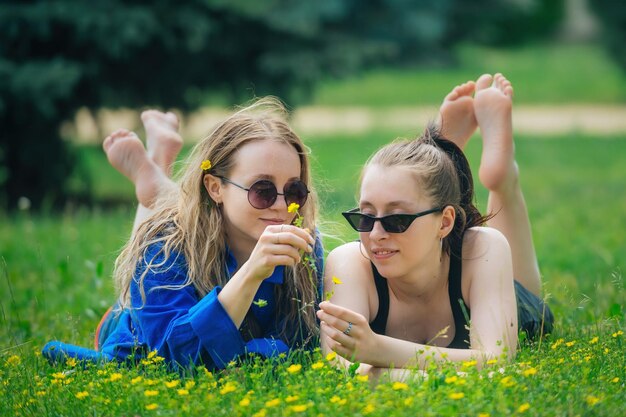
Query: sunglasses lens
(296, 192)
(396, 223)
(360, 222)
(262, 194)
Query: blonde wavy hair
(189, 222)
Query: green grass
(54, 284)
(541, 74)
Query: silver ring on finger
(349, 329)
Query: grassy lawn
(541, 74)
(55, 283)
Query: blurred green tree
(59, 55)
(612, 14)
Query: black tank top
(459, 309)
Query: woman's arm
(493, 329)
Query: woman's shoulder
(480, 243)
(348, 259)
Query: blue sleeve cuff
(59, 352)
(216, 330)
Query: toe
(484, 81)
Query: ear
(447, 221)
(214, 187)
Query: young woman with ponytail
(426, 282)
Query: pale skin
(260, 240)
(420, 323)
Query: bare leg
(127, 154)
(456, 115)
(162, 139)
(500, 175)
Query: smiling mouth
(383, 253)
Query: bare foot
(456, 114)
(493, 106)
(127, 154)
(162, 138)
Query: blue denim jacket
(183, 328)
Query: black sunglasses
(393, 223)
(263, 193)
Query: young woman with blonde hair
(214, 267)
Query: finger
(333, 321)
(341, 312)
(288, 238)
(338, 335)
(304, 234)
(285, 250)
(341, 350)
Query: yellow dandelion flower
(272, 403)
(594, 340)
(408, 401)
(14, 360)
(331, 356)
(529, 372)
(616, 379)
(451, 379)
(456, 395)
(469, 364)
(42, 393)
(399, 386)
(293, 207)
(294, 369)
(150, 382)
(617, 333)
(59, 375)
(369, 408)
(182, 392)
(317, 365)
(152, 354)
(558, 343)
(115, 377)
(523, 408)
(260, 303)
(136, 380)
(483, 414)
(228, 387)
(337, 281)
(82, 394)
(71, 362)
(172, 384)
(150, 393)
(507, 381)
(362, 378)
(335, 399)
(244, 402)
(570, 344)
(152, 406)
(592, 400)
(292, 398)
(299, 408)
(205, 165)
(261, 413)
(492, 361)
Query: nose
(280, 203)
(378, 231)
